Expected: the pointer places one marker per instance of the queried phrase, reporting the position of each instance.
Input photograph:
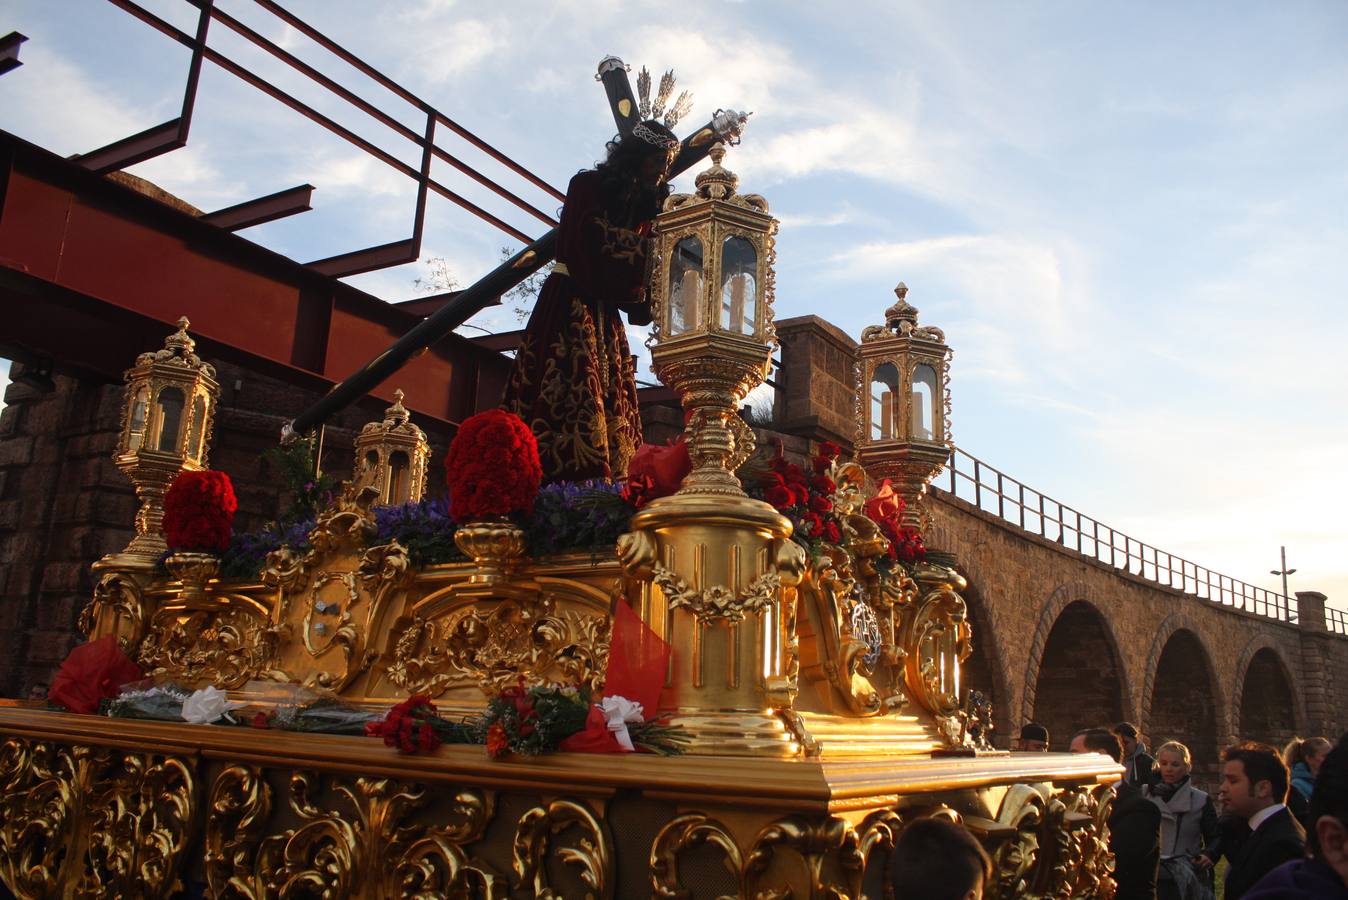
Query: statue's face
(654, 169)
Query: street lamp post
(1284, 572)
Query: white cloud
(443, 53)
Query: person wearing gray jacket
(1188, 827)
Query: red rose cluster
(492, 467)
(409, 726)
(805, 499)
(199, 512)
(886, 510)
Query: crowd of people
(1280, 821)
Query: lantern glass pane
(398, 472)
(171, 402)
(135, 429)
(884, 388)
(739, 285)
(923, 407)
(685, 286)
(196, 432)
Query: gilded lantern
(903, 400)
(167, 419)
(717, 560)
(713, 333)
(392, 455)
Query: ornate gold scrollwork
(879, 831)
(140, 822)
(718, 603)
(1094, 871)
(40, 807)
(494, 649)
(369, 849)
(331, 597)
(936, 642)
(687, 832)
(828, 846)
(1050, 854)
(1015, 860)
(79, 821)
(225, 647)
(121, 596)
(592, 857)
(239, 808)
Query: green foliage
(308, 495)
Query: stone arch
(1183, 697)
(986, 668)
(1265, 703)
(1059, 600)
(1078, 674)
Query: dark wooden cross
(725, 126)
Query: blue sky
(1129, 220)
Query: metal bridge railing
(995, 492)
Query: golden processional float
(821, 692)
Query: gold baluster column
(718, 561)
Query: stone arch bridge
(1117, 630)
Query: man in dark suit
(1254, 787)
(1134, 824)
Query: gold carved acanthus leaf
(118, 596)
(494, 645)
(225, 647)
(590, 856)
(82, 821)
(350, 837)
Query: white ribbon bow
(618, 712)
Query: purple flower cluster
(248, 550)
(577, 515)
(425, 529)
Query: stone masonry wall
(817, 396)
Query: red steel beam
(74, 244)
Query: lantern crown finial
(397, 413)
(180, 350)
(717, 182)
(901, 320)
(180, 341)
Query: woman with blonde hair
(1303, 759)
(1188, 827)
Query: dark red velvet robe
(574, 382)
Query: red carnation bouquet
(804, 498)
(492, 467)
(199, 512)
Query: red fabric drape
(637, 662)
